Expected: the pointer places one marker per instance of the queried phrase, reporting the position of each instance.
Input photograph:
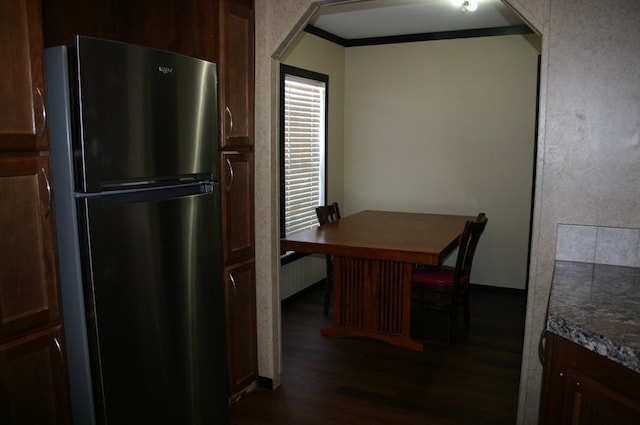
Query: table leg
(372, 299)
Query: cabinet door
(236, 71)
(186, 26)
(237, 206)
(582, 387)
(22, 102)
(33, 386)
(590, 402)
(240, 297)
(28, 274)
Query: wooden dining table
(374, 253)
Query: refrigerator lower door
(152, 282)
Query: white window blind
(304, 156)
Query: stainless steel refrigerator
(133, 134)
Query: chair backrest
(328, 213)
(468, 243)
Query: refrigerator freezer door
(142, 113)
(155, 310)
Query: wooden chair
(447, 288)
(328, 214)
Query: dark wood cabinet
(236, 109)
(237, 183)
(33, 383)
(583, 387)
(28, 282)
(33, 380)
(240, 294)
(236, 71)
(188, 27)
(238, 251)
(22, 96)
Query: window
(303, 118)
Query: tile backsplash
(602, 245)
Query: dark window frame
(304, 73)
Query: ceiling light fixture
(469, 6)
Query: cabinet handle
(228, 111)
(40, 98)
(542, 355)
(55, 340)
(228, 187)
(59, 348)
(233, 282)
(48, 186)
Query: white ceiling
(383, 18)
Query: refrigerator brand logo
(165, 70)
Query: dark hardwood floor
(329, 380)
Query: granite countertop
(597, 306)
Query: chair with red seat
(328, 214)
(447, 288)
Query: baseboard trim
(265, 383)
(497, 289)
(300, 293)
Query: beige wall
(418, 140)
(447, 127)
(588, 147)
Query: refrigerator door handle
(48, 186)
